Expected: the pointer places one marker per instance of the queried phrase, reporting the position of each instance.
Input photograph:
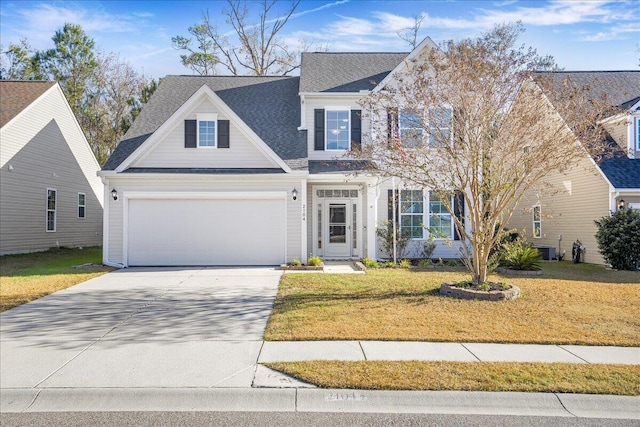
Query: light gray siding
(43, 148)
(170, 152)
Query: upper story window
(338, 129)
(410, 128)
(638, 133)
(52, 202)
(82, 205)
(207, 130)
(440, 126)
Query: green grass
(468, 376)
(568, 304)
(26, 277)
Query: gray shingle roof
(270, 106)
(338, 166)
(621, 171)
(345, 72)
(620, 87)
(15, 96)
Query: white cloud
(616, 32)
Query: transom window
(412, 213)
(537, 222)
(337, 129)
(410, 128)
(440, 222)
(51, 209)
(207, 135)
(82, 205)
(337, 193)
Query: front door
(337, 229)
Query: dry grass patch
(26, 277)
(468, 376)
(568, 304)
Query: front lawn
(568, 304)
(26, 277)
(469, 376)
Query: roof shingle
(15, 96)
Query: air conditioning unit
(547, 252)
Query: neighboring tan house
(50, 194)
(591, 190)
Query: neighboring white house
(252, 170)
(595, 188)
(50, 194)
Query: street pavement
(190, 339)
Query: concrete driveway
(141, 327)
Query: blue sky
(581, 35)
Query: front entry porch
(338, 223)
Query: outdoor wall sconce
(294, 194)
(114, 194)
(621, 204)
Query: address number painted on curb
(348, 396)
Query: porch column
(372, 220)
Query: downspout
(393, 216)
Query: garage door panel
(206, 232)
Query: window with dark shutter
(223, 133)
(356, 129)
(390, 197)
(190, 133)
(318, 127)
(392, 124)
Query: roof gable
(15, 96)
(274, 122)
(202, 94)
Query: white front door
(337, 228)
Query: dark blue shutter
(392, 123)
(458, 211)
(318, 127)
(190, 133)
(223, 133)
(390, 206)
(356, 130)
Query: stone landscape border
(450, 290)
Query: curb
(319, 400)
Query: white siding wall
(312, 103)
(44, 148)
(205, 184)
(170, 152)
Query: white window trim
(326, 129)
(533, 221)
(209, 117)
(426, 216)
(47, 210)
(637, 133)
(452, 233)
(83, 206)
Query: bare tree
(410, 34)
(258, 50)
(476, 126)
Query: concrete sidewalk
(292, 351)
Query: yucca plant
(518, 255)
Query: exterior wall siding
(170, 152)
(204, 184)
(582, 196)
(44, 148)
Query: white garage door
(206, 232)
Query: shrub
(388, 264)
(453, 263)
(296, 263)
(518, 255)
(618, 239)
(370, 263)
(405, 263)
(428, 247)
(314, 261)
(385, 235)
(425, 263)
